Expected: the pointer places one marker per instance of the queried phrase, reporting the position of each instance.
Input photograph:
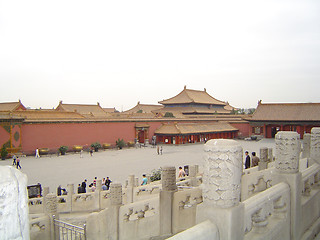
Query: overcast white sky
(121, 52)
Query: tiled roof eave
(185, 133)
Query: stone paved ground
(117, 164)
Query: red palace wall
(244, 129)
(54, 135)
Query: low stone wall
(256, 182)
(40, 227)
(184, 208)
(267, 214)
(139, 220)
(310, 199)
(202, 231)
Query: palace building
(195, 116)
(269, 118)
(193, 102)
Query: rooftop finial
(205, 89)
(259, 102)
(185, 86)
(98, 104)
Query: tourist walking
(81, 152)
(18, 163)
(255, 159)
(107, 183)
(144, 180)
(181, 173)
(92, 187)
(84, 186)
(59, 190)
(247, 162)
(158, 150)
(161, 150)
(14, 158)
(37, 153)
(80, 189)
(91, 152)
(95, 181)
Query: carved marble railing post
(197, 169)
(45, 191)
(14, 219)
(315, 146)
(306, 145)
(70, 192)
(287, 165)
(51, 209)
(97, 194)
(270, 154)
(221, 188)
(116, 194)
(192, 175)
(263, 164)
(169, 187)
(113, 211)
(131, 185)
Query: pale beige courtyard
(52, 171)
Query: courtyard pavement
(52, 170)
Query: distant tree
(155, 175)
(233, 111)
(251, 110)
(120, 143)
(168, 114)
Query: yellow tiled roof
(194, 128)
(109, 110)
(88, 111)
(11, 106)
(198, 110)
(192, 96)
(287, 112)
(47, 114)
(143, 108)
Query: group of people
(159, 150)
(82, 188)
(16, 161)
(251, 163)
(61, 191)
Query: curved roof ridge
(193, 96)
(179, 94)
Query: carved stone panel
(315, 144)
(116, 193)
(51, 203)
(264, 154)
(287, 151)
(168, 178)
(222, 174)
(306, 145)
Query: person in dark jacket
(247, 162)
(84, 186)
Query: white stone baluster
(221, 187)
(287, 165)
